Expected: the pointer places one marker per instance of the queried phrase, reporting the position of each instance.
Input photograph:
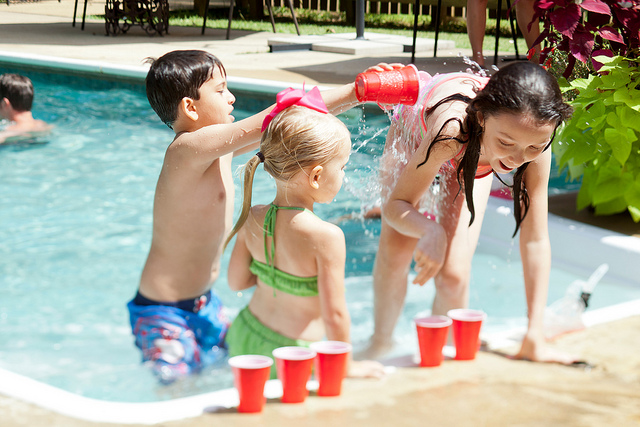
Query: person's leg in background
(524, 14)
(476, 25)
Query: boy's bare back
(192, 214)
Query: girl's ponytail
(249, 173)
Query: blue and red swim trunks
(178, 338)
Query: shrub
(600, 143)
(587, 29)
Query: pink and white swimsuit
(412, 117)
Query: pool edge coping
(137, 73)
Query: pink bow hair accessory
(291, 96)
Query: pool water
(76, 215)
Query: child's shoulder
(327, 239)
(321, 230)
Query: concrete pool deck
(492, 390)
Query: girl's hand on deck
(430, 253)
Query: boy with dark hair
(177, 320)
(16, 99)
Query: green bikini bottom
(248, 336)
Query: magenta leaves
(581, 28)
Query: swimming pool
(76, 224)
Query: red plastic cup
(466, 331)
(250, 374)
(401, 86)
(432, 335)
(293, 365)
(331, 365)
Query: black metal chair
(150, 15)
(231, 6)
(75, 10)
(438, 5)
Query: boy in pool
(16, 99)
(177, 320)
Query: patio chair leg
(293, 14)
(84, 14)
(495, 53)
(415, 30)
(435, 43)
(231, 4)
(273, 23)
(75, 10)
(514, 34)
(206, 12)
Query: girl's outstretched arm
(535, 250)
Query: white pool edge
(135, 72)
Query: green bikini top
(269, 274)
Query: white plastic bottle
(565, 314)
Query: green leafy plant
(600, 143)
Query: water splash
(477, 69)
(363, 144)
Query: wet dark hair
(520, 88)
(18, 90)
(176, 75)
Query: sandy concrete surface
(493, 390)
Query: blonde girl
(294, 259)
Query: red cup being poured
(400, 86)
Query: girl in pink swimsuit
(439, 158)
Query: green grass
(316, 22)
(313, 22)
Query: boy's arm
(337, 100)
(7, 134)
(212, 142)
(209, 143)
(249, 148)
(340, 99)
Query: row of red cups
(293, 366)
(433, 332)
